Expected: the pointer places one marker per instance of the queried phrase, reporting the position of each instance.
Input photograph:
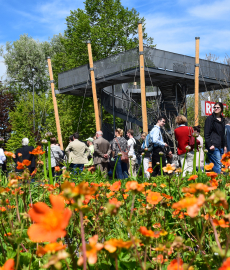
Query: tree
(109, 26)
(26, 62)
(6, 105)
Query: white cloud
(218, 10)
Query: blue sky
(173, 24)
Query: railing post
(196, 109)
(95, 102)
(142, 79)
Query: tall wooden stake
(55, 104)
(197, 82)
(142, 78)
(97, 118)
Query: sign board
(207, 107)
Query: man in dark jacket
(102, 152)
(214, 133)
(24, 153)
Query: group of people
(99, 153)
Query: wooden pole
(97, 118)
(142, 79)
(196, 109)
(55, 104)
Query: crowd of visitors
(98, 153)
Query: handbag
(59, 161)
(191, 140)
(124, 155)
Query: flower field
(87, 222)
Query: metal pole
(142, 78)
(114, 120)
(196, 109)
(94, 91)
(55, 104)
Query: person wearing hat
(89, 165)
(102, 151)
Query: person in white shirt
(2, 158)
(200, 139)
(132, 156)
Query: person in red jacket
(182, 136)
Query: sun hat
(90, 139)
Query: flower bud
(119, 154)
(48, 135)
(188, 147)
(161, 153)
(44, 141)
(206, 150)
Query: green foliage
(26, 61)
(109, 26)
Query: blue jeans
(215, 157)
(74, 166)
(121, 169)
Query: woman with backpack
(119, 145)
(214, 134)
(182, 134)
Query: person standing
(201, 151)
(214, 134)
(89, 165)
(158, 145)
(120, 144)
(56, 155)
(102, 151)
(79, 152)
(2, 159)
(227, 133)
(131, 154)
(24, 153)
(182, 134)
(146, 146)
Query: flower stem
(83, 241)
(161, 165)
(44, 162)
(183, 163)
(194, 158)
(114, 170)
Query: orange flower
(192, 177)
(91, 250)
(34, 172)
(168, 169)
(163, 186)
(112, 244)
(50, 223)
(125, 196)
(193, 205)
(19, 154)
(81, 189)
(208, 167)
(8, 265)
(225, 160)
(150, 170)
(115, 202)
(225, 265)
(154, 197)
(222, 223)
(176, 264)
(197, 188)
(167, 196)
(57, 168)
(9, 154)
(212, 174)
(160, 258)
(220, 213)
(157, 225)
(52, 247)
(110, 194)
(115, 186)
(134, 186)
(148, 233)
(23, 164)
(37, 151)
(8, 234)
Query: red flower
(8, 265)
(176, 264)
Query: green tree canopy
(109, 26)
